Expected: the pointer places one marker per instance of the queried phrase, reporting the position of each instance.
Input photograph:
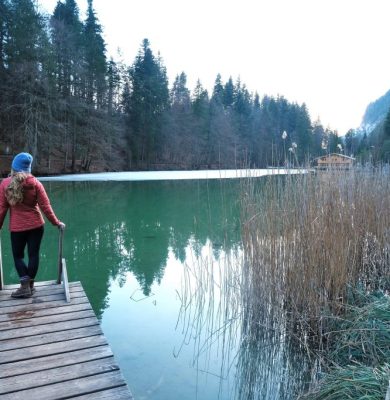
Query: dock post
(62, 272)
(60, 240)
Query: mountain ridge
(375, 113)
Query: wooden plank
(37, 300)
(41, 284)
(28, 353)
(49, 319)
(52, 350)
(34, 300)
(67, 389)
(37, 283)
(53, 337)
(119, 393)
(58, 294)
(55, 375)
(21, 368)
(41, 306)
(42, 290)
(54, 327)
(27, 314)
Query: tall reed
(210, 312)
(308, 238)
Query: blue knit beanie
(22, 162)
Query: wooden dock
(53, 349)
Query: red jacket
(27, 215)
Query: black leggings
(32, 239)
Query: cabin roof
(334, 154)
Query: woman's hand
(61, 226)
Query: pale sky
(332, 55)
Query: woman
(25, 197)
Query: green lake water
(160, 262)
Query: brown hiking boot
(23, 291)
(32, 288)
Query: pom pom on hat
(22, 162)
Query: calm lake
(161, 262)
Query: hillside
(375, 113)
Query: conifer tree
(304, 135)
(384, 147)
(147, 102)
(24, 64)
(242, 105)
(333, 141)
(66, 29)
(218, 90)
(228, 93)
(221, 135)
(200, 100)
(67, 38)
(180, 94)
(201, 127)
(319, 142)
(177, 130)
(255, 129)
(4, 97)
(95, 59)
(386, 126)
(351, 143)
(113, 85)
(4, 14)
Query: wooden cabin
(334, 160)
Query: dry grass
(353, 382)
(308, 238)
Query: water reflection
(271, 363)
(220, 315)
(162, 265)
(119, 227)
(210, 313)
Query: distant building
(334, 160)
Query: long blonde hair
(14, 191)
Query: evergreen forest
(74, 109)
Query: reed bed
(306, 293)
(308, 238)
(317, 258)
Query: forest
(75, 109)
